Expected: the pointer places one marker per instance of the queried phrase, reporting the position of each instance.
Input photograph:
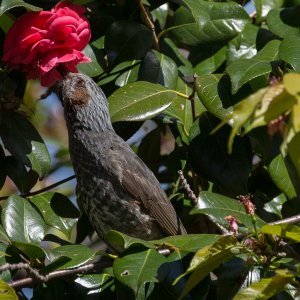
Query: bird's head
(83, 101)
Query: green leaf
(275, 205)
(159, 68)
(244, 45)
(92, 68)
(243, 70)
(284, 22)
(21, 221)
(3, 236)
(289, 51)
(267, 287)
(43, 203)
(139, 101)
(33, 251)
(207, 259)
(6, 292)
(123, 241)
(212, 63)
(189, 242)
(130, 75)
(9, 4)
(136, 269)
(160, 14)
(91, 281)
(217, 207)
(69, 256)
(280, 176)
(24, 142)
(126, 40)
(208, 22)
(217, 101)
(287, 231)
(5, 22)
(263, 7)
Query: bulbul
(115, 188)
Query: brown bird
(114, 187)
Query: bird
(115, 188)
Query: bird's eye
(80, 83)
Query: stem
(148, 23)
(47, 188)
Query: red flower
(40, 42)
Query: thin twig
(149, 23)
(187, 188)
(291, 220)
(192, 98)
(37, 277)
(45, 189)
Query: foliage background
(222, 90)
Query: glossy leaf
(159, 68)
(263, 7)
(217, 207)
(92, 281)
(70, 256)
(24, 142)
(288, 51)
(209, 258)
(243, 70)
(139, 101)
(21, 221)
(9, 4)
(267, 287)
(275, 205)
(244, 45)
(280, 176)
(136, 269)
(43, 203)
(208, 22)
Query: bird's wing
(140, 182)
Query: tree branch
(37, 277)
(149, 23)
(45, 189)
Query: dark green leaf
(136, 269)
(44, 203)
(139, 101)
(209, 156)
(275, 205)
(267, 287)
(284, 22)
(159, 68)
(126, 41)
(160, 14)
(70, 256)
(217, 207)
(91, 69)
(212, 63)
(243, 70)
(129, 76)
(9, 4)
(21, 221)
(5, 22)
(24, 142)
(32, 251)
(289, 51)
(208, 22)
(124, 241)
(280, 176)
